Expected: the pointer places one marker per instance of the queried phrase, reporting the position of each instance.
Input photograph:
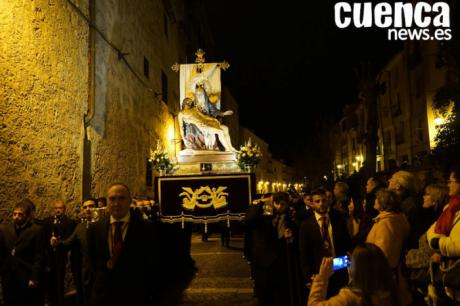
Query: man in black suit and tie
(323, 234)
(21, 258)
(121, 254)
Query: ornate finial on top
(200, 56)
(224, 65)
(175, 67)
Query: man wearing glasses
(323, 234)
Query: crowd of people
(399, 235)
(398, 242)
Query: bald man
(122, 250)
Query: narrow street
(223, 276)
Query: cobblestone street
(223, 274)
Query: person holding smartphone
(364, 288)
(323, 233)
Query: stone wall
(43, 98)
(130, 116)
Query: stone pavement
(223, 276)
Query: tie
(325, 234)
(117, 243)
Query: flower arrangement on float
(160, 160)
(249, 156)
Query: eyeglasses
(88, 206)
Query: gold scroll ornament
(204, 197)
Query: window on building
(400, 133)
(419, 131)
(164, 87)
(386, 111)
(396, 106)
(387, 142)
(166, 25)
(146, 68)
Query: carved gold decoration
(204, 197)
(224, 65)
(200, 56)
(175, 67)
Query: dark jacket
(411, 206)
(21, 260)
(62, 229)
(311, 250)
(265, 247)
(132, 279)
(366, 219)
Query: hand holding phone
(326, 270)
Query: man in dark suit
(60, 226)
(323, 234)
(266, 221)
(21, 258)
(78, 244)
(121, 254)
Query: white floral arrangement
(249, 155)
(160, 160)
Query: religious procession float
(211, 181)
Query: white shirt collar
(319, 216)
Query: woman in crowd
(444, 234)
(390, 232)
(436, 196)
(341, 197)
(367, 210)
(367, 261)
(418, 260)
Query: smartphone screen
(340, 262)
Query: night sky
(290, 65)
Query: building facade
(407, 121)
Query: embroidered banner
(204, 199)
(205, 76)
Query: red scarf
(444, 223)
